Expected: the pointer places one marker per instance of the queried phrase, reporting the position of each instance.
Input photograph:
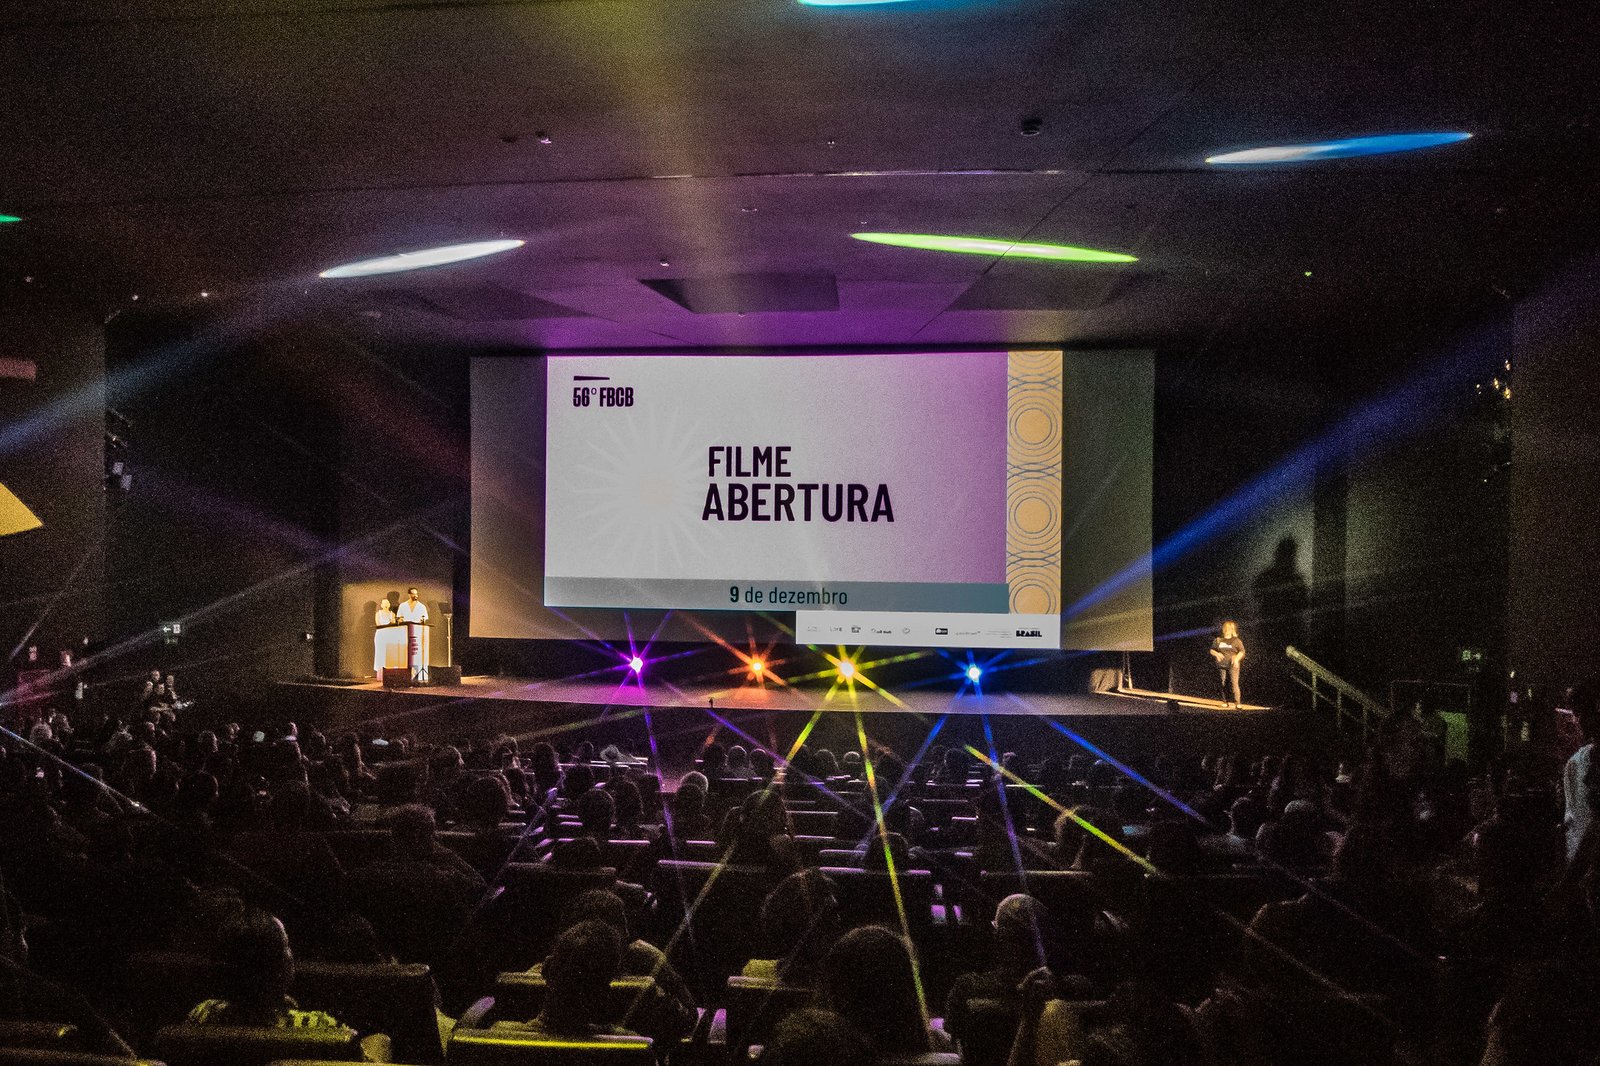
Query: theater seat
(526, 917)
(42, 1036)
(721, 906)
(814, 823)
(239, 1045)
(485, 1047)
(393, 999)
(990, 1028)
(754, 1010)
(14, 1056)
(520, 996)
(868, 897)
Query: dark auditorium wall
(52, 454)
(283, 479)
(1555, 471)
(1223, 419)
(403, 454)
(232, 515)
(1398, 540)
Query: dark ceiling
(711, 155)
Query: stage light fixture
(974, 672)
(427, 257)
(847, 669)
(636, 664)
(757, 667)
(934, 242)
(1348, 148)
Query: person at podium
(412, 609)
(384, 615)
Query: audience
(1283, 895)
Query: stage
(675, 721)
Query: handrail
(1322, 680)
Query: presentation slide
(908, 499)
(921, 489)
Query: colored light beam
(15, 516)
(850, 3)
(421, 260)
(888, 858)
(1348, 148)
(933, 242)
(9, 218)
(1094, 830)
(1307, 883)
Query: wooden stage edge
(676, 720)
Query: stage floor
(673, 723)
(772, 698)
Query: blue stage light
(974, 672)
(1349, 147)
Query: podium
(402, 645)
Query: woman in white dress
(384, 616)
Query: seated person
(579, 971)
(596, 812)
(812, 1037)
(257, 970)
(629, 809)
(414, 830)
(801, 919)
(880, 851)
(1026, 941)
(419, 899)
(760, 834)
(686, 813)
(870, 979)
(672, 1014)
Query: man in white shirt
(1574, 779)
(412, 609)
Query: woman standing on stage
(1228, 650)
(383, 616)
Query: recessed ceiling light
(993, 246)
(1385, 144)
(428, 257)
(10, 218)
